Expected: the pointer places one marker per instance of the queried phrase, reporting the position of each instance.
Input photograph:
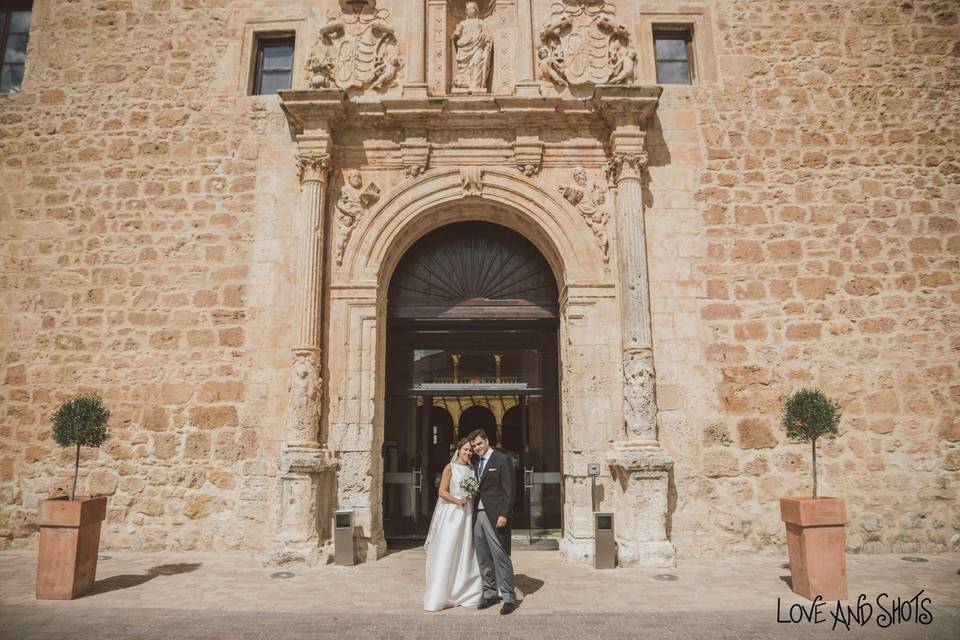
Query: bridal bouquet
(471, 486)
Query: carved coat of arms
(584, 43)
(355, 51)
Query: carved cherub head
(580, 176)
(353, 177)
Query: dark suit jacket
(496, 493)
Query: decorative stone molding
(471, 181)
(622, 166)
(355, 50)
(304, 401)
(639, 396)
(313, 167)
(588, 198)
(305, 460)
(354, 200)
(415, 153)
(582, 43)
(528, 153)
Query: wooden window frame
(262, 38)
(5, 11)
(676, 32)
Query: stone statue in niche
(354, 200)
(473, 51)
(584, 44)
(588, 197)
(355, 51)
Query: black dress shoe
(486, 603)
(508, 608)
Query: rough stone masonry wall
(141, 238)
(826, 251)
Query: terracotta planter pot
(815, 539)
(69, 542)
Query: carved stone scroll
(471, 181)
(415, 153)
(528, 153)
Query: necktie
(480, 469)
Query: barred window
(14, 33)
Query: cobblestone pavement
(200, 596)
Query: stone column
(306, 467)
(527, 83)
(416, 85)
(639, 405)
(640, 470)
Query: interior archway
(472, 311)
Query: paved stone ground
(201, 596)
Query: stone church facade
(218, 265)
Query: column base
(577, 549)
(415, 90)
(528, 88)
(659, 555)
(306, 497)
(641, 484)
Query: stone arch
(409, 211)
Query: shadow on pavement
(128, 580)
(788, 580)
(526, 584)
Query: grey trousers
(493, 560)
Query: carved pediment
(584, 44)
(355, 50)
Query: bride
(453, 575)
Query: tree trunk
(76, 470)
(813, 446)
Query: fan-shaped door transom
(473, 270)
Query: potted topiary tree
(815, 535)
(70, 525)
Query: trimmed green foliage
(807, 415)
(80, 422)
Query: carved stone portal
(584, 44)
(355, 51)
(354, 200)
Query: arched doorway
(472, 332)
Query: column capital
(313, 167)
(624, 166)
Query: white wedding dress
(453, 575)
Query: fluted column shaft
(525, 41)
(640, 407)
(417, 52)
(305, 394)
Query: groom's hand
(501, 522)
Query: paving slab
(206, 595)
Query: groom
(491, 522)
